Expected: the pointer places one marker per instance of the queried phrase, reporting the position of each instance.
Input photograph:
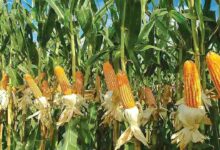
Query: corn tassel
(192, 86)
(213, 63)
(63, 80)
(125, 91)
(33, 86)
(110, 76)
(4, 81)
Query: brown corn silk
(149, 97)
(45, 89)
(40, 77)
(110, 76)
(98, 87)
(98, 83)
(167, 94)
(192, 85)
(213, 63)
(4, 81)
(62, 80)
(126, 95)
(33, 86)
(79, 82)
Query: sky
(100, 4)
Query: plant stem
(180, 74)
(1, 132)
(39, 59)
(122, 47)
(9, 120)
(115, 132)
(137, 145)
(195, 38)
(73, 50)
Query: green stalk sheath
(73, 50)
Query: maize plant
(109, 74)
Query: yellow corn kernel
(79, 82)
(33, 86)
(4, 81)
(126, 95)
(149, 97)
(110, 76)
(62, 80)
(213, 63)
(192, 85)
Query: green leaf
(69, 138)
(84, 16)
(56, 7)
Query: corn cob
(4, 81)
(213, 63)
(79, 82)
(33, 86)
(110, 76)
(192, 86)
(63, 80)
(126, 95)
(149, 97)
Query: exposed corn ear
(33, 86)
(62, 80)
(110, 76)
(149, 97)
(4, 81)
(126, 95)
(79, 82)
(192, 85)
(213, 63)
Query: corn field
(110, 74)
